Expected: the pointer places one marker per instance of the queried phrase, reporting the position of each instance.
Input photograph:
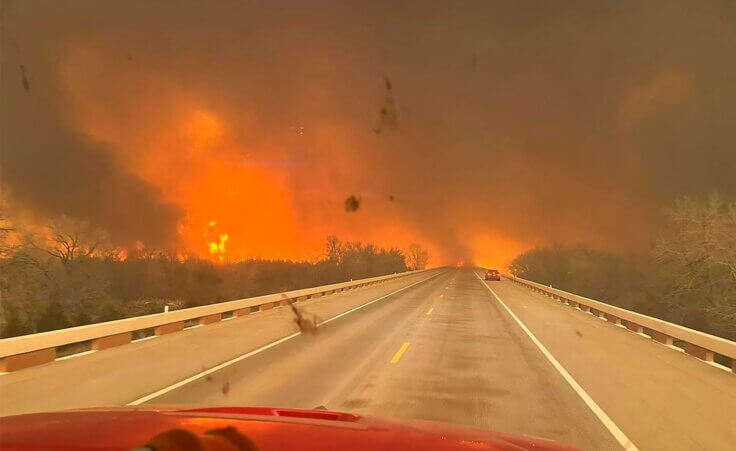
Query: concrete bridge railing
(35, 349)
(699, 344)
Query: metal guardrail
(699, 344)
(35, 349)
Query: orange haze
(477, 131)
(241, 184)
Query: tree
(417, 257)
(69, 239)
(65, 277)
(696, 256)
(6, 245)
(13, 324)
(701, 233)
(52, 318)
(332, 249)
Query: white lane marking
(200, 375)
(164, 390)
(429, 312)
(78, 354)
(617, 433)
(375, 300)
(719, 366)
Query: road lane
(612, 427)
(303, 372)
(466, 363)
(120, 375)
(661, 398)
(458, 356)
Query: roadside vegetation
(688, 277)
(73, 277)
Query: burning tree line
(74, 277)
(688, 277)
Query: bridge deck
(439, 347)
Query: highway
(443, 346)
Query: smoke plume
(501, 125)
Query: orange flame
(217, 247)
(122, 255)
(226, 163)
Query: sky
(478, 129)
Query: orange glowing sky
(222, 177)
(509, 130)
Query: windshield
(298, 204)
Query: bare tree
(417, 257)
(697, 259)
(701, 235)
(69, 239)
(6, 245)
(332, 249)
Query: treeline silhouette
(73, 280)
(688, 277)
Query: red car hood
(268, 428)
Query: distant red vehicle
(245, 428)
(493, 274)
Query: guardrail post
(613, 319)
(111, 341)
(209, 319)
(242, 311)
(662, 338)
(697, 351)
(27, 359)
(634, 327)
(169, 328)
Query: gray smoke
(52, 169)
(543, 122)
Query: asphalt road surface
(443, 346)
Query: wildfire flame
(217, 247)
(122, 255)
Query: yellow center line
(429, 312)
(400, 352)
